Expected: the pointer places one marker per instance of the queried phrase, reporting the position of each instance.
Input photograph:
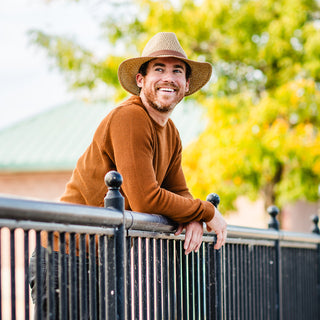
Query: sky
(28, 82)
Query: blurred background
(251, 135)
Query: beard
(159, 102)
(162, 108)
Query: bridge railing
(108, 263)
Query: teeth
(166, 89)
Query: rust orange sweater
(147, 155)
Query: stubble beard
(162, 107)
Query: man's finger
(187, 239)
(198, 247)
(224, 234)
(179, 230)
(218, 244)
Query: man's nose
(168, 76)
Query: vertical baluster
(83, 277)
(63, 277)
(198, 300)
(159, 277)
(26, 274)
(164, 287)
(52, 277)
(233, 285)
(254, 282)
(136, 268)
(92, 277)
(148, 278)
(151, 280)
(13, 275)
(239, 280)
(39, 281)
(211, 289)
(172, 277)
(213, 275)
(142, 278)
(111, 279)
(191, 268)
(245, 288)
(102, 276)
(300, 283)
(73, 275)
(203, 283)
(186, 288)
(128, 278)
(239, 283)
(261, 282)
(179, 277)
(268, 281)
(250, 285)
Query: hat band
(166, 53)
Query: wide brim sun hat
(163, 44)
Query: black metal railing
(110, 263)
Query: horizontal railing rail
(108, 263)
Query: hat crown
(163, 43)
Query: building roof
(54, 140)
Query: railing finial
(113, 198)
(214, 199)
(273, 212)
(315, 220)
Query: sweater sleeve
(130, 134)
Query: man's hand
(219, 226)
(193, 237)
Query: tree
(262, 135)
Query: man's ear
(139, 80)
(187, 85)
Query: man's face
(165, 83)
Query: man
(138, 140)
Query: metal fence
(116, 264)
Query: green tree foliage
(262, 103)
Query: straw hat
(163, 44)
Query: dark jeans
(54, 311)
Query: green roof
(54, 140)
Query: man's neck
(159, 117)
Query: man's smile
(166, 89)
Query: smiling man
(139, 140)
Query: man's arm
(175, 181)
(131, 136)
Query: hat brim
(128, 69)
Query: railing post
(273, 211)
(115, 200)
(316, 230)
(219, 269)
(315, 220)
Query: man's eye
(177, 71)
(159, 69)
